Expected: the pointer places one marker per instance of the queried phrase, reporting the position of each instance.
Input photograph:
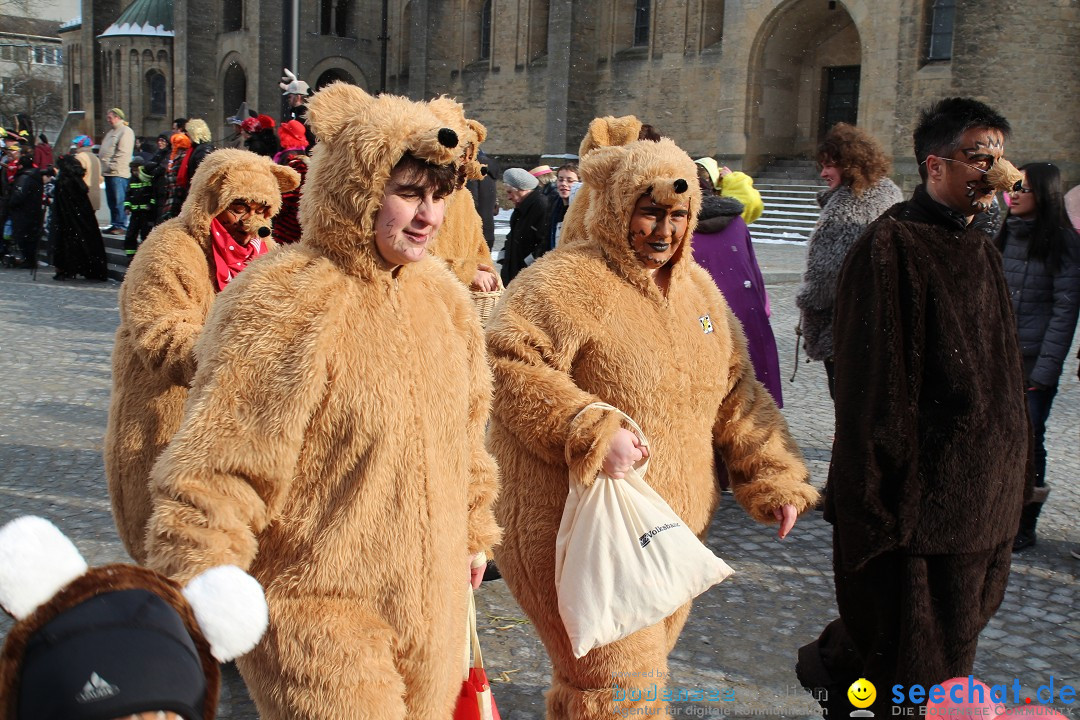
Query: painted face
(656, 231)
(242, 219)
(516, 196)
(831, 175)
(563, 182)
(1023, 200)
(410, 216)
(959, 181)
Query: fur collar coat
(334, 442)
(164, 301)
(586, 323)
(844, 215)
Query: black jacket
(931, 451)
(1046, 302)
(528, 229)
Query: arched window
(538, 28)
(641, 23)
(233, 19)
(485, 30)
(334, 17)
(156, 92)
(939, 44)
(234, 88)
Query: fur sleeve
(164, 305)
(461, 242)
(535, 395)
(836, 231)
(483, 531)
(763, 462)
(227, 472)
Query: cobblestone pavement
(55, 343)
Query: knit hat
(108, 642)
(293, 135)
(82, 141)
(520, 179)
(118, 113)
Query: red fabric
(293, 135)
(467, 706)
(230, 257)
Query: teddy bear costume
(585, 323)
(164, 300)
(334, 442)
(461, 240)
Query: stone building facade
(746, 81)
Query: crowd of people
(304, 388)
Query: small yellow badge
(706, 323)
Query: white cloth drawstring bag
(623, 559)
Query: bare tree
(32, 93)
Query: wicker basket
(485, 300)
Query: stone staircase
(789, 188)
(114, 253)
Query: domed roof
(144, 17)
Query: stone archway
(333, 75)
(802, 49)
(233, 88)
(335, 67)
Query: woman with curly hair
(1041, 256)
(856, 170)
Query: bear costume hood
(361, 139)
(616, 176)
(470, 134)
(230, 174)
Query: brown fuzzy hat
(361, 139)
(116, 640)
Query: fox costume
(164, 300)
(586, 323)
(334, 442)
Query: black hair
(43, 138)
(1051, 221)
(941, 125)
(442, 179)
(26, 162)
(180, 123)
(648, 132)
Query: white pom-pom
(231, 609)
(36, 561)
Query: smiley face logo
(862, 693)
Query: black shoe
(1024, 539)
(491, 572)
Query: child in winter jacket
(141, 206)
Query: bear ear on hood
(608, 131)
(597, 168)
(480, 130)
(287, 178)
(333, 107)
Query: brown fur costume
(334, 442)
(164, 300)
(460, 241)
(587, 323)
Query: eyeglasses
(242, 209)
(983, 165)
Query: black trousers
(904, 619)
(140, 224)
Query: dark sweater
(931, 450)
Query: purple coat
(722, 246)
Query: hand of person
(625, 451)
(725, 171)
(786, 517)
(476, 574)
(484, 279)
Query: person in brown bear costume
(164, 300)
(334, 440)
(621, 314)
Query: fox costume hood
(461, 240)
(166, 295)
(324, 449)
(587, 323)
